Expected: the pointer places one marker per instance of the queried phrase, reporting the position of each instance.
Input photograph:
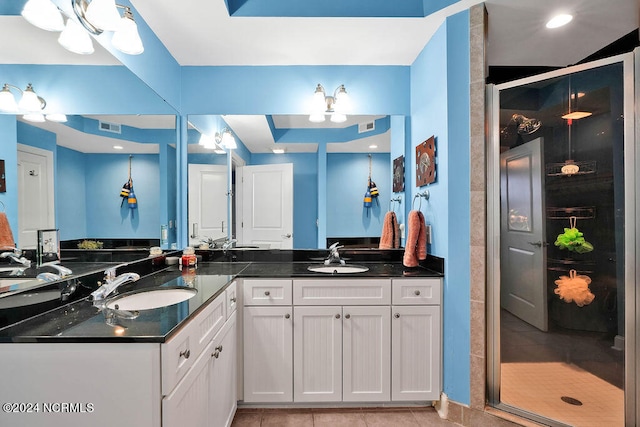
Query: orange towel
(6, 236)
(390, 238)
(416, 244)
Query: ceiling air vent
(109, 127)
(366, 127)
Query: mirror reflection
(288, 175)
(72, 176)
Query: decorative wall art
(426, 162)
(398, 174)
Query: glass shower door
(560, 298)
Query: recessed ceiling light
(118, 147)
(580, 95)
(559, 20)
(576, 115)
(278, 150)
(373, 146)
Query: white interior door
(267, 205)
(523, 281)
(35, 194)
(207, 202)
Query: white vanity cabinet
(342, 340)
(205, 393)
(341, 352)
(268, 333)
(416, 339)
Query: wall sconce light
(337, 106)
(96, 16)
(210, 143)
(29, 102)
(225, 139)
(30, 105)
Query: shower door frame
(631, 75)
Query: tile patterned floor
(352, 417)
(602, 404)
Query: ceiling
(199, 32)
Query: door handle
(538, 244)
(222, 227)
(287, 236)
(195, 230)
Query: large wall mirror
(274, 190)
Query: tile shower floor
(353, 417)
(539, 368)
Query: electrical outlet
(428, 229)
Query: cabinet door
(188, 403)
(366, 353)
(268, 354)
(317, 354)
(223, 376)
(416, 353)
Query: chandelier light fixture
(336, 106)
(96, 16)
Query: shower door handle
(538, 244)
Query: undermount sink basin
(147, 299)
(337, 269)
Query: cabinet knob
(347, 316)
(417, 292)
(337, 316)
(215, 354)
(267, 293)
(186, 353)
(286, 316)
(219, 348)
(233, 299)
(397, 315)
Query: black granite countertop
(81, 321)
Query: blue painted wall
(305, 194)
(440, 107)
(71, 194)
(347, 178)
(105, 175)
(8, 153)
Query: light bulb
(126, 39)
(103, 14)
(316, 118)
(7, 100)
(342, 102)
(34, 117)
(43, 14)
(319, 103)
(228, 141)
(75, 39)
(30, 101)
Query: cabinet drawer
(342, 292)
(416, 291)
(179, 353)
(231, 298)
(267, 292)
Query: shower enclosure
(562, 258)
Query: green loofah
(572, 239)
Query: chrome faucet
(62, 271)
(334, 255)
(112, 283)
(16, 256)
(228, 244)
